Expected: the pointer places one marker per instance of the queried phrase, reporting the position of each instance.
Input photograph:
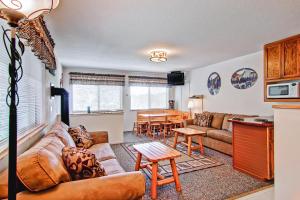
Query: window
(29, 110)
(97, 97)
(148, 97)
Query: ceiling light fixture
(158, 56)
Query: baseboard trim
(251, 192)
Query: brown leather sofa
(41, 170)
(219, 135)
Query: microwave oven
(283, 90)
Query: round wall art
(244, 78)
(214, 83)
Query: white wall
(182, 93)
(286, 152)
(230, 99)
(51, 104)
(129, 115)
(101, 122)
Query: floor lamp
(14, 12)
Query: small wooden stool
(189, 133)
(165, 128)
(177, 123)
(154, 128)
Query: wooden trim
(283, 40)
(26, 136)
(286, 106)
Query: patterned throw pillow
(82, 163)
(203, 119)
(81, 137)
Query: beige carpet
(184, 163)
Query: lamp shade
(191, 104)
(30, 9)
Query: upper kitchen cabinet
(282, 59)
(273, 61)
(291, 58)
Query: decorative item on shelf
(38, 37)
(244, 78)
(17, 12)
(214, 83)
(195, 104)
(158, 56)
(171, 104)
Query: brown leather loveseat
(43, 173)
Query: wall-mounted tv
(176, 78)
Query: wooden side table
(155, 152)
(189, 133)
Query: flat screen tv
(176, 78)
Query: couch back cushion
(226, 124)
(217, 120)
(42, 167)
(60, 130)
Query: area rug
(184, 163)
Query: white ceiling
(118, 34)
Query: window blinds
(96, 79)
(148, 81)
(30, 93)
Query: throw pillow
(82, 163)
(81, 137)
(204, 119)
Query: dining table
(150, 116)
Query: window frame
(98, 101)
(149, 98)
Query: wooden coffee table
(189, 133)
(155, 152)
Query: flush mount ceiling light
(158, 56)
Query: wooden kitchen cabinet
(282, 59)
(253, 148)
(291, 58)
(273, 61)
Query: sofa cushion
(102, 151)
(217, 120)
(81, 137)
(42, 167)
(59, 130)
(203, 119)
(204, 129)
(222, 135)
(226, 124)
(82, 163)
(112, 166)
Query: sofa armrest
(99, 137)
(124, 186)
(188, 122)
